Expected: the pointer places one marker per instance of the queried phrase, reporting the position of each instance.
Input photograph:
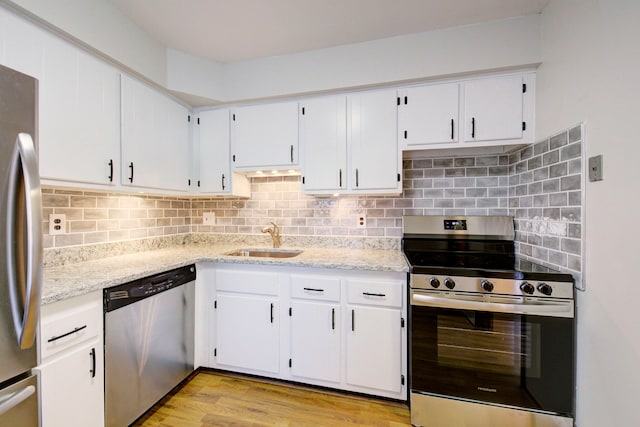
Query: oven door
(512, 359)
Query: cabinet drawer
(368, 292)
(68, 323)
(315, 288)
(252, 282)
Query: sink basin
(265, 253)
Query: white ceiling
(238, 30)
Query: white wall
(591, 73)
(499, 44)
(102, 26)
(192, 74)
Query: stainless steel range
(492, 337)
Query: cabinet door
(315, 340)
(72, 388)
(373, 140)
(428, 115)
(79, 117)
(265, 136)
(247, 331)
(155, 139)
(323, 138)
(493, 108)
(374, 348)
(215, 168)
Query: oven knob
(449, 283)
(486, 285)
(434, 282)
(545, 289)
(527, 288)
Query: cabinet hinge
(215, 304)
(524, 88)
(398, 100)
(399, 177)
(402, 379)
(189, 118)
(289, 362)
(290, 311)
(402, 322)
(215, 352)
(524, 126)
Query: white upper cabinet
(155, 139)
(214, 156)
(494, 108)
(372, 132)
(79, 117)
(323, 140)
(265, 136)
(428, 115)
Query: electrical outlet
(595, 168)
(362, 222)
(57, 224)
(209, 218)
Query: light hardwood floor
(217, 399)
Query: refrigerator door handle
(16, 398)
(24, 210)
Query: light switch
(595, 168)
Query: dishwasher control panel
(128, 293)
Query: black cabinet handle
(340, 175)
(369, 294)
(451, 128)
(291, 153)
(357, 178)
(131, 174)
(52, 339)
(314, 289)
(271, 312)
(333, 318)
(110, 170)
(223, 181)
(93, 362)
(353, 320)
(473, 127)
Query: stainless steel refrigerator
(20, 249)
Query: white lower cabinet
(71, 365)
(333, 328)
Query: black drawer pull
(314, 289)
(93, 362)
(333, 318)
(353, 320)
(369, 294)
(451, 128)
(110, 177)
(131, 174)
(271, 312)
(473, 127)
(52, 339)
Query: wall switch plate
(57, 224)
(362, 222)
(595, 168)
(209, 218)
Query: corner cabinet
(265, 136)
(71, 365)
(331, 328)
(214, 158)
(155, 139)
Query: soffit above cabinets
(240, 30)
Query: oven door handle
(551, 309)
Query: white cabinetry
(155, 139)
(315, 328)
(71, 362)
(375, 328)
(247, 321)
(374, 159)
(495, 108)
(214, 156)
(265, 136)
(428, 114)
(79, 117)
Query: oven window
(510, 359)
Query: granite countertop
(80, 278)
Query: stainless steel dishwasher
(149, 339)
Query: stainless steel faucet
(275, 234)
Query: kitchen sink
(265, 253)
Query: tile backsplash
(540, 185)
